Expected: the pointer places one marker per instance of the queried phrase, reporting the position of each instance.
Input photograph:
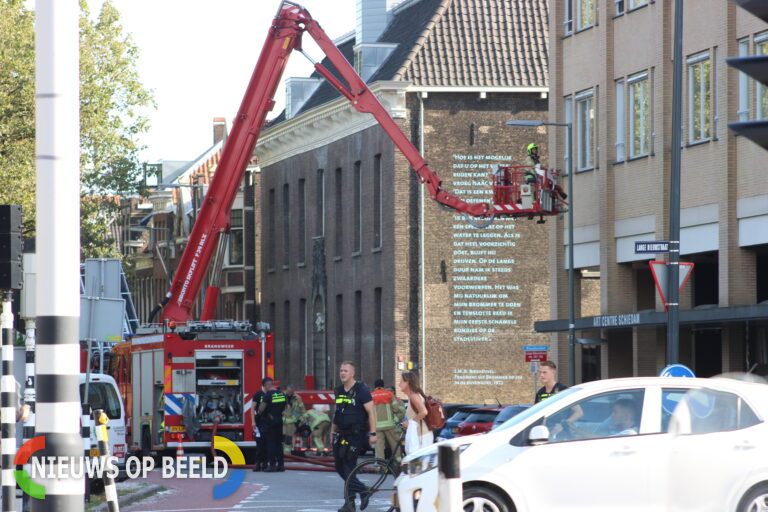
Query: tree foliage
(112, 105)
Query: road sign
(533, 368)
(677, 370)
(652, 247)
(536, 348)
(535, 356)
(659, 271)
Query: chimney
(219, 129)
(372, 20)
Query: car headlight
(426, 462)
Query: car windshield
(459, 416)
(519, 418)
(508, 412)
(481, 417)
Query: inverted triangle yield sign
(659, 270)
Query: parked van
(103, 394)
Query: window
(359, 330)
(286, 341)
(339, 208)
(271, 228)
(102, 396)
(377, 201)
(286, 225)
(585, 15)
(303, 354)
(568, 21)
(619, 7)
(699, 97)
(568, 133)
(613, 414)
(339, 329)
(621, 151)
(357, 233)
(704, 411)
(634, 4)
(320, 203)
(301, 206)
(236, 237)
(378, 333)
(761, 94)
(639, 118)
(585, 117)
(670, 398)
(743, 111)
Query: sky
(198, 55)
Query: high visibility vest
(382, 409)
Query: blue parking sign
(677, 370)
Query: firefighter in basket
(535, 172)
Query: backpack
(435, 417)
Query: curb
(132, 498)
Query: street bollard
(100, 420)
(8, 399)
(450, 494)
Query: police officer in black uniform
(353, 429)
(272, 411)
(258, 420)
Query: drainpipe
(421, 250)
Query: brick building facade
(356, 263)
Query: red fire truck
(182, 378)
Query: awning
(653, 318)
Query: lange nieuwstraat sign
(652, 247)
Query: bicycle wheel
(373, 480)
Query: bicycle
(377, 477)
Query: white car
(619, 455)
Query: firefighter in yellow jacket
(292, 414)
(319, 424)
(389, 411)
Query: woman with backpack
(417, 433)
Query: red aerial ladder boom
(291, 21)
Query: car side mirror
(538, 435)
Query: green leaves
(112, 105)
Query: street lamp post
(571, 298)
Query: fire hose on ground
(322, 463)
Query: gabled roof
(457, 43)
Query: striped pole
(8, 404)
(29, 391)
(57, 146)
(85, 433)
(100, 420)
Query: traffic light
(755, 66)
(10, 247)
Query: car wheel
(481, 499)
(755, 500)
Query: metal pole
(571, 270)
(8, 402)
(673, 286)
(57, 347)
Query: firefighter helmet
(531, 147)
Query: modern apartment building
(611, 77)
